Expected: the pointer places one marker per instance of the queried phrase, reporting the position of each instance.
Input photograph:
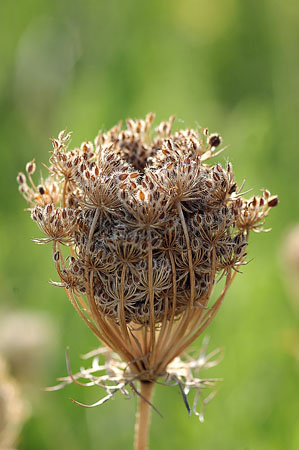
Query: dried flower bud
(150, 118)
(30, 167)
(273, 201)
(56, 256)
(41, 189)
(23, 188)
(214, 140)
(61, 135)
(21, 179)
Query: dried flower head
(13, 409)
(150, 226)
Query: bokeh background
(230, 65)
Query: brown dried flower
(150, 227)
(13, 408)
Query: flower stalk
(143, 416)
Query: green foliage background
(231, 65)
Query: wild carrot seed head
(150, 224)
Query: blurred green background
(230, 65)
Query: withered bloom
(13, 408)
(150, 226)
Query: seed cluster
(149, 223)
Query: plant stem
(143, 416)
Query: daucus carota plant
(150, 226)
